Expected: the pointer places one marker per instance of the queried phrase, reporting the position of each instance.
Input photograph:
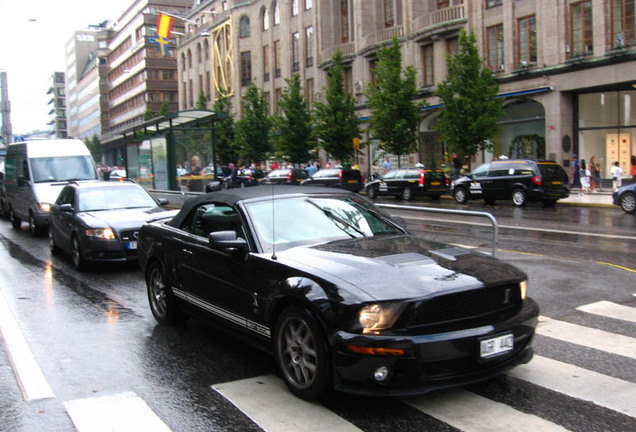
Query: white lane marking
(609, 392)
(271, 406)
(470, 412)
(31, 380)
(610, 310)
(587, 337)
(122, 412)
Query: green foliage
(165, 108)
(95, 147)
(224, 132)
(470, 109)
(336, 123)
(293, 127)
(202, 101)
(252, 131)
(394, 114)
(149, 114)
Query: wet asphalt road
(93, 334)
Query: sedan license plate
(131, 245)
(435, 183)
(497, 345)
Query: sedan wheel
(371, 192)
(16, 222)
(519, 197)
(76, 253)
(461, 196)
(628, 202)
(52, 245)
(160, 297)
(407, 194)
(301, 353)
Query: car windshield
(62, 168)
(314, 220)
(114, 199)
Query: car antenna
(274, 257)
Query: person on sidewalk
(599, 181)
(576, 175)
(617, 176)
(584, 177)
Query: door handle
(187, 252)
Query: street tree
(252, 131)
(394, 113)
(470, 109)
(293, 137)
(202, 101)
(95, 147)
(224, 131)
(336, 123)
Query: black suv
(520, 180)
(407, 182)
(288, 176)
(349, 179)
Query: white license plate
(131, 245)
(497, 345)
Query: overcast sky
(32, 38)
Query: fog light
(381, 374)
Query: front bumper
(431, 361)
(96, 249)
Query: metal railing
(495, 232)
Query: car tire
(461, 195)
(76, 254)
(160, 297)
(627, 202)
(302, 356)
(53, 247)
(35, 229)
(407, 194)
(16, 222)
(519, 197)
(372, 192)
(4, 212)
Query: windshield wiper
(331, 215)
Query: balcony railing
(345, 49)
(453, 13)
(384, 35)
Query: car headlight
(104, 233)
(45, 207)
(523, 287)
(375, 317)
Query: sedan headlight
(523, 287)
(103, 233)
(375, 317)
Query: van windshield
(62, 168)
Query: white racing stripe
(271, 406)
(609, 392)
(587, 337)
(473, 413)
(30, 378)
(123, 412)
(610, 310)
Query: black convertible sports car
(343, 296)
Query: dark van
(405, 183)
(519, 180)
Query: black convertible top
(232, 196)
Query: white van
(36, 171)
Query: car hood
(119, 220)
(399, 267)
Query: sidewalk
(595, 199)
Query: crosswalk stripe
(588, 337)
(122, 412)
(610, 310)
(267, 401)
(574, 381)
(470, 412)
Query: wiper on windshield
(331, 215)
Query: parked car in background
(625, 198)
(118, 175)
(286, 176)
(519, 180)
(406, 183)
(4, 210)
(220, 180)
(342, 295)
(249, 177)
(349, 179)
(100, 221)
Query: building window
(372, 65)
(276, 14)
(277, 58)
(493, 3)
(199, 57)
(309, 46)
(308, 4)
(495, 47)
(344, 21)
(527, 41)
(265, 19)
(266, 63)
(189, 59)
(442, 4)
(348, 80)
(277, 95)
(246, 68)
(581, 28)
(208, 81)
(623, 23)
(452, 46)
(309, 92)
(389, 13)
(294, 7)
(244, 27)
(427, 65)
(295, 52)
(206, 48)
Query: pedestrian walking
(457, 165)
(617, 176)
(592, 169)
(576, 175)
(584, 177)
(599, 181)
(386, 165)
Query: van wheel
(407, 194)
(519, 197)
(35, 229)
(15, 221)
(461, 196)
(371, 192)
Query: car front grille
(499, 303)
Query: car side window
(67, 196)
(481, 171)
(500, 170)
(212, 217)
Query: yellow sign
(356, 143)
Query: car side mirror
(66, 208)
(163, 201)
(224, 240)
